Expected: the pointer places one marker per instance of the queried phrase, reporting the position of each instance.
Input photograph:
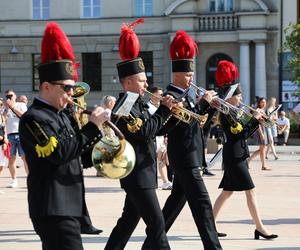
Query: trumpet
(184, 114)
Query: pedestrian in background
(272, 131)
(13, 112)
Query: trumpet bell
(114, 158)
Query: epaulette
(45, 144)
(235, 127)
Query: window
(147, 57)
(91, 8)
(287, 74)
(91, 70)
(36, 59)
(40, 9)
(143, 7)
(220, 5)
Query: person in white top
(161, 141)
(3, 140)
(13, 111)
(283, 126)
(272, 131)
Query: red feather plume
(56, 46)
(129, 44)
(226, 74)
(183, 46)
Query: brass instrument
(223, 106)
(80, 91)
(184, 114)
(267, 121)
(112, 156)
(238, 114)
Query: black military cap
(56, 71)
(130, 67)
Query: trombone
(184, 114)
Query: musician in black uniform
(56, 195)
(86, 162)
(139, 130)
(186, 149)
(235, 151)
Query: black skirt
(236, 177)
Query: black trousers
(188, 186)
(58, 232)
(139, 204)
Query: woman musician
(235, 152)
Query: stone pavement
(278, 195)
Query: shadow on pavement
(16, 232)
(103, 190)
(266, 222)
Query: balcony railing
(218, 22)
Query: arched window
(211, 68)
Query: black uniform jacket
(144, 174)
(235, 148)
(185, 141)
(55, 181)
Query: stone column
(260, 69)
(245, 71)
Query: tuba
(112, 156)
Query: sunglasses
(8, 97)
(65, 87)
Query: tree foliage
(292, 44)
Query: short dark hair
(154, 89)
(9, 90)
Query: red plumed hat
(182, 51)
(129, 49)
(57, 57)
(227, 73)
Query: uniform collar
(176, 87)
(41, 102)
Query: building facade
(248, 32)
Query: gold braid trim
(238, 128)
(44, 151)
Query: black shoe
(268, 237)
(222, 235)
(90, 230)
(207, 173)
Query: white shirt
(152, 108)
(284, 121)
(12, 121)
(160, 145)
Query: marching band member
(141, 200)
(235, 151)
(56, 195)
(186, 148)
